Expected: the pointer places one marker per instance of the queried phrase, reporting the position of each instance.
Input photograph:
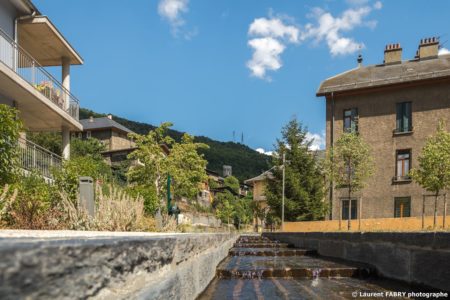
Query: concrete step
(250, 267)
(261, 245)
(270, 252)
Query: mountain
(246, 162)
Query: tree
(225, 203)
(304, 192)
(185, 165)
(90, 147)
(10, 128)
(233, 183)
(350, 164)
(433, 173)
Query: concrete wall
(415, 258)
(377, 120)
(79, 265)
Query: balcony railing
(23, 64)
(34, 158)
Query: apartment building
(394, 106)
(258, 185)
(29, 43)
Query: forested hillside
(245, 161)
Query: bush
(10, 128)
(32, 204)
(116, 211)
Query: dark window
(351, 120)
(403, 164)
(402, 207)
(354, 209)
(404, 117)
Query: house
(207, 192)
(394, 106)
(113, 135)
(29, 43)
(258, 185)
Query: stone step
(248, 267)
(270, 252)
(260, 245)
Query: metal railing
(23, 64)
(35, 158)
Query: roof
(383, 75)
(266, 175)
(103, 123)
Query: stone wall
(416, 258)
(114, 266)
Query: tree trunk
(435, 209)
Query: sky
(244, 66)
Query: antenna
(234, 136)
(242, 138)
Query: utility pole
(282, 197)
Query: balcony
(34, 158)
(43, 102)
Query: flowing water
(258, 268)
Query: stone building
(112, 134)
(394, 106)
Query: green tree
(433, 173)
(49, 140)
(184, 164)
(225, 203)
(350, 164)
(233, 183)
(10, 127)
(90, 147)
(242, 212)
(304, 192)
(187, 167)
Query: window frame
(399, 201)
(353, 212)
(400, 127)
(401, 152)
(354, 116)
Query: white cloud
(331, 29)
(443, 51)
(318, 140)
(268, 42)
(269, 37)
(172, 11)
(262, 151)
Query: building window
(403, 164)
(402, 207)
(73, 135)
(404, 117)
(351, 120)
(354, 209)
(88, 134)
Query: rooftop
(266, 175)
(383, 75)
(103, 123)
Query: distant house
(206, 194)
(259, 184)
(112, 134)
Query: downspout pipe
(331, 147)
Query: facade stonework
(376, 125)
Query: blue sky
(214, 67)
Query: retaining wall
(77, 265)
(415, 258)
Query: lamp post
(282, 197)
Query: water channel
(258, 268)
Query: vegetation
(246, 162)
(233, 183)
(350, 164)
(185, 166)
(433, 173)
(304, 192)
(10, 128)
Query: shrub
(10, 128)
(32, 205)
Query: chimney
(91, 119)
(110, 116)
(392, 54)
(428, 48)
